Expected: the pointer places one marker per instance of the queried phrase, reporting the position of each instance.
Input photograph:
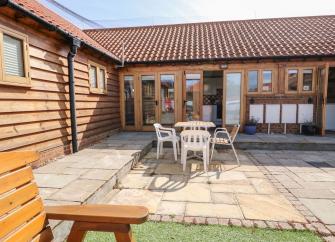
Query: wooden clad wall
(38, 117)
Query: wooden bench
(24, 218)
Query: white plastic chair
(166, 135)
(195, 140)
(223, 137)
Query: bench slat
(20, 216)
(18, 197)
(29, 230)
(15, 179)
(13, 160)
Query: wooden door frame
(224, 96)
(122, 104)
(184, 91)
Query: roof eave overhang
(226, 59)
(52, 27)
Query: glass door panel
(167, 98)
(148, 99)
(192, 102)
(129, 100)
(233, 97)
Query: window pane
(13, 56)
(267, 81)
(307, 80)
(253, 81)
(193, 101)
(129, 100)
(93, 76)
(167, 99)
(233, 98)
(102, 84)
(292, 80)
(148, 99)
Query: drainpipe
(75, 44)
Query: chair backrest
(22, 213)
(157, 127)
(234, 131)
(195, 138)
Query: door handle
(156, 102)
(185, 102)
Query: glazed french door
(192, 96)
(129, 99)
(149, 104)
(232, 97)
(167, 98)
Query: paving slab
(268, 207)
(78, 191)
(226, 198)
(171, 208)
(324, 209)
(98, 174)
(191, 192)
(233, 188)
(213, 210)
(54, 180)
(149, 199)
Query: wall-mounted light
(224, 66)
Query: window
(253, 81)
(129, 100)
(267, 81)
(299, 80)
(14, 59)
(97, 78)
(292, 81)
(307, 80)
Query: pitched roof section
(63, 25)
(263, 38)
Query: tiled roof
(262, 38)
(54, 19)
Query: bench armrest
(116, 214)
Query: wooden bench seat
(23, 216)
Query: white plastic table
(195, 125)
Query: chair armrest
(116, 214)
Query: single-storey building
(63, 88)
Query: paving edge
(313, 223)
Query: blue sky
(112, 13)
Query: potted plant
(250, 126)
(308, 128)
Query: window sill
(98, 91)
(16, 84)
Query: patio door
(192, 96)
(167, 99)
(322, 87)
(149, 104)
(129, 100)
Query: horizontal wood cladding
(38, 117)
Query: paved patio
(227, 191)
(278, 189)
